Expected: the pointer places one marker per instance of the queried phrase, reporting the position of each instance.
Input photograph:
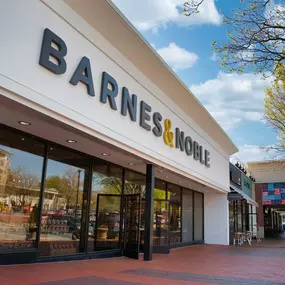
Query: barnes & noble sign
(53, 47)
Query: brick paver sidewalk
(259, 264)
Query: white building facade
(78, 76)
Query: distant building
(270, 194)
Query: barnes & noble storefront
(55, 202)
(102, 152)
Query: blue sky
(235, 101)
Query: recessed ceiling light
(131, 164)
(105, 154)
(71, 141)
(22, 139)
(23, 123)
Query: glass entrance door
(131, 225)
(161, 226)
(108, 220)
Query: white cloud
(177, 57)
(154, 14)
(249, 153)
(233, 98)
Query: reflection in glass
(104, 219)
(187, 215)
(161, 223)
(198, 216)
(239, 216)
(231, 220)
(108, 222)
(135, 184)
(175, 213)
(64, 193)
(21, 161)
(161, 215)
(160, 190)
(244, 216)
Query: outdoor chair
(238, 239)
(248, 237)
(255, 235)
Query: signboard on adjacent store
(246, 185)
(235, 176)
(273, 193)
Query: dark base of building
(33, 255)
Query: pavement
(259, 264)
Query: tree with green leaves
(67, 187)
(275, 105)
(256, 36)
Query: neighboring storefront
(270, 193)
(102, 152)
(242, 207)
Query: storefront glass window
(198, 216)
(175, 213)
(21, 162)
(135, 184)
(244, 216)
(64, 203)
(160, 190)
(239, 216)
(187, 215)
(160, 218)
(104, 228)
(231, 220)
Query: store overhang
(237, 194)
(50, 129)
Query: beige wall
(268, 172)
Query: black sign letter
(145, 116)
(48, 51)
(188, 146)
(109, 93)
(196, 151)
(83, 74)
(201, 155)
(157, 130)
(129, 104)
(207, 158)
(179, 139)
